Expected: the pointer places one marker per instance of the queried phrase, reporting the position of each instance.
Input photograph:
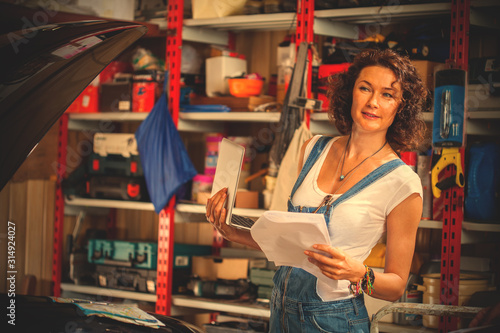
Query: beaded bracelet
(364, 284)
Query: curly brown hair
(408, 129)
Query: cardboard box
(198, 233)
(212, 268)
(205, 233)
(255, 101)
(202, 197)
(247, 199)
(426, 70)
(216, 8)
(115, 9)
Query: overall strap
(311, 159)
(373, 176)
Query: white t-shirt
(358, 223)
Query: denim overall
(295, 305)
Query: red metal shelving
(166, 221)
(59, 206)
(453, 213)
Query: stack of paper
(284, 236)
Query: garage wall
(30, 206)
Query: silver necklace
(328, 199)
(342, 176)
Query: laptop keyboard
(242, 221)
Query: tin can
(143, 96)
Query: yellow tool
(448, 156)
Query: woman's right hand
(216, 213)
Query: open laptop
(227, 174)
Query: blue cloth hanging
(164, 158)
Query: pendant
(342, 177)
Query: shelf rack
(453, 198)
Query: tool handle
(448, 156)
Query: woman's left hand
(335, 264)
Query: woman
(363, 189)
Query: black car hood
(43, 69)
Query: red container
(86, 102)
(143, 96)
(323, 73)
(410, 158)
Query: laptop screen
(227, 173)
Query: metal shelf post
(166, 219)
(305, 33)
(305, 21)
(165, 259)
(454, 197)
(59, 206)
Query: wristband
(367, 281)
(364, 284)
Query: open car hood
(43, 69)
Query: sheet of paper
(284, 236)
